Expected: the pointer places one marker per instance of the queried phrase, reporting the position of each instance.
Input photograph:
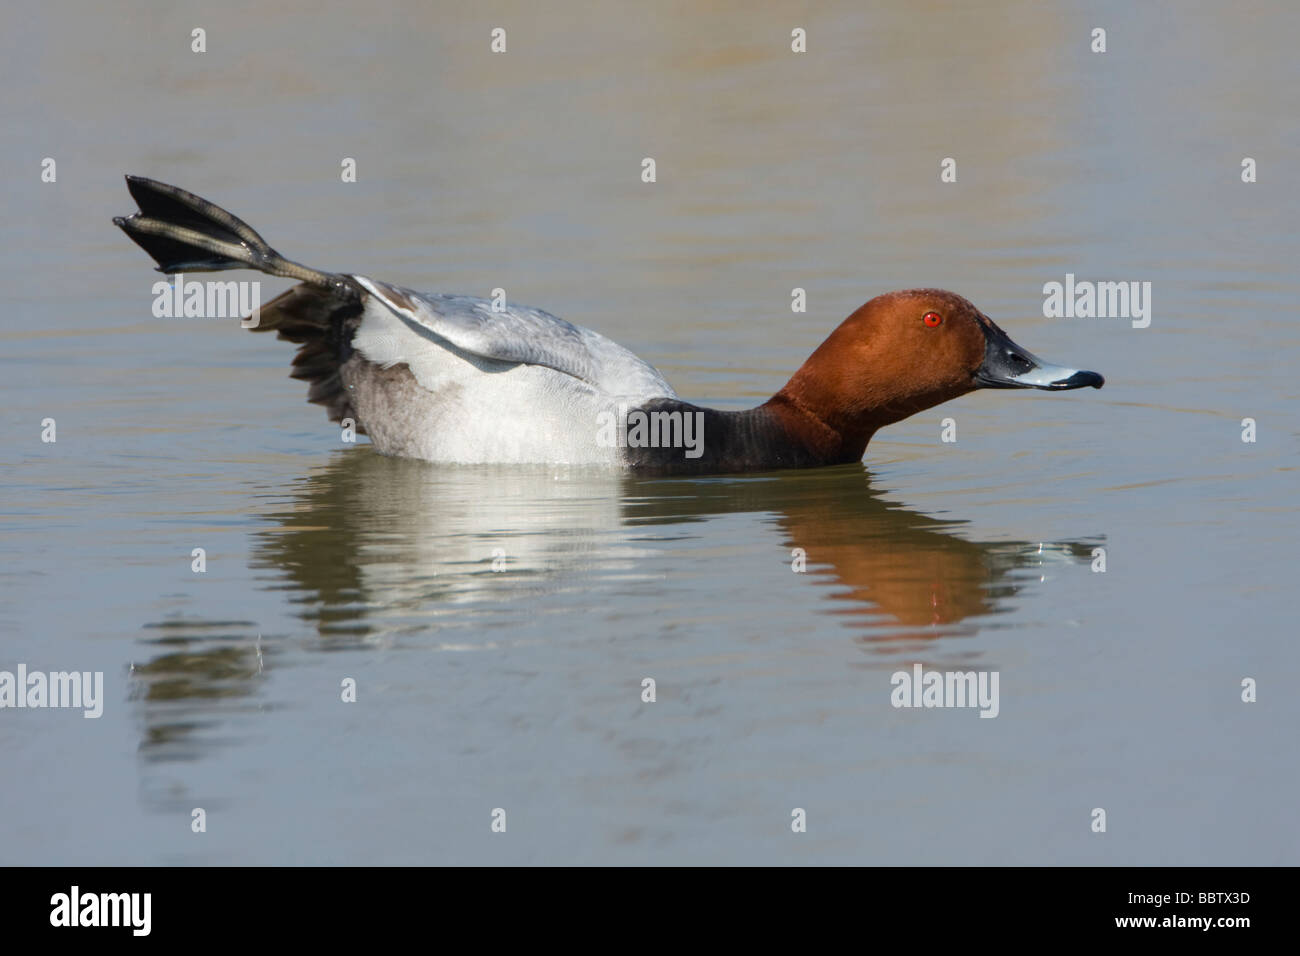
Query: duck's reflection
(900, 575)
(372, 541)
(372, 548)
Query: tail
(186, 233)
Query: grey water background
(522, 689)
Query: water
(521, 688)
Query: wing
(520, 335)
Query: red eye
(932, 319)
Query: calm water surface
(521, 688)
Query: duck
(457, 379)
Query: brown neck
(830, 438)
(835, 405)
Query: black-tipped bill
(1007, 365)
